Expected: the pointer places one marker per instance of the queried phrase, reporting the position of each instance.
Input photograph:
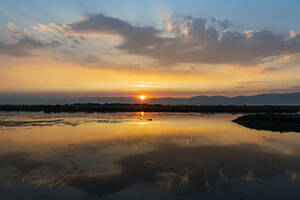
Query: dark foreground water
(144, 156)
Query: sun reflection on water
(130, 148)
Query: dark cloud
(109, 25)
(24, 46)
(24, 162)
(198, 43)
(225, 23)
(92, 59)
(293, 44)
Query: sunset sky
(159, 48)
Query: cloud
(193, 41)
(225, 23)
(102, 24)
(24, 46)
(51, 28)
(17, 42)
(12, 28)
(252, 82)
(269, 69)
(294, 33)
(184, 40)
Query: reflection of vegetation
(151, 108)
(33, 123)
(54, 122)
(272, 122)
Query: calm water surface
(144, 156)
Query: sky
(159, 48)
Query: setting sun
(142, 97)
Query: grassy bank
(151, 108)
(271, 122)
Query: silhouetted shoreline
(271, 122)
(151, 108)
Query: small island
(271, 122)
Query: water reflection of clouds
(183, 155)
(180, 169)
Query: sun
(142, 97)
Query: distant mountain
(288, 98)
(261, 99)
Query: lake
(144, 156)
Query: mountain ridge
(259, 99)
